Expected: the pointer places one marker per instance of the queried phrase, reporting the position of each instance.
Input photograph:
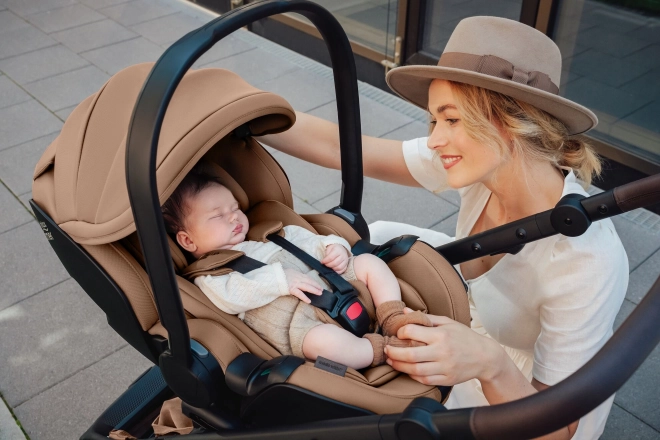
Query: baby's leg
(337, 344)
(386, 294)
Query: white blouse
(551, 306)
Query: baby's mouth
(238, 229)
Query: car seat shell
(80, 183)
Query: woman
(500, 134)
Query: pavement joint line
(635, 416)
(323, 197)
(635, 110)
(36, 293)
(151, 19)
(111, 44)
(26, 142)
(219, 59)
(655, 252)
(18, 226)
(397, 128)
(11, 412)
(78, 25)
(443, 219)
(54, 9)
(72, 374)
(33, 50)
(19, 201)
(89, 63)
(319, 106)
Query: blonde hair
(534, 135)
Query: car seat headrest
(81, 181)
(227, 181)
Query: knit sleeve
(312, 243)
(236, 293)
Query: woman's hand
(336, 258)
(299, 283)
(453, 353)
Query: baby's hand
(300, 283)
(336, 258)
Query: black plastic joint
(569, 216)
(417, 420)
(248, 375)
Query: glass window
(442, 16)
(611, 64)
(371, 23)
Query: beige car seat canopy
(87, 194)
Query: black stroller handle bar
(144, 131)
(572, 217)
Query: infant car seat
(80, 189)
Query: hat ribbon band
(499, 68)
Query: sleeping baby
(204, 216)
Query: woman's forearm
(316, 140)
(311, 139)
(506, 383)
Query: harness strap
(332, 277)
(244, 264)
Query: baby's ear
(185, 241)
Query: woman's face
(466, 160)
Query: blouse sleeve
(425, 170)
(584, 287)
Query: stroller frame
(187, 370)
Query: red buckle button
(354, 311)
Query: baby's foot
(391, 317)
(379, 342)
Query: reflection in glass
(371, 23)
(442, 16)
(611, 64)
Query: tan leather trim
(47, 159)
(426, 271)
(380, 375)
(272, 210)
(392, 397)
(411, 297)
(259, 231)
(209, 261)
(43, 194)
(329, 224)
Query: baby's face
(214, 221)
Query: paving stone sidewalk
(61, 364)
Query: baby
(205, 216)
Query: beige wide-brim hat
(500, 55)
